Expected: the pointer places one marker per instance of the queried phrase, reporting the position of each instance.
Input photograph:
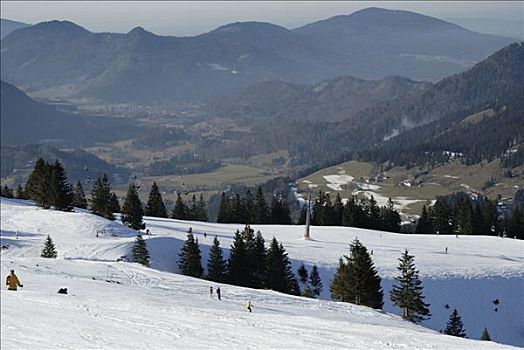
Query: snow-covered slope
(122, 305)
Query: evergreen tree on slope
(101, 198)
(79, 197)
(408, 294)
(190, 260)
(357, 280)
(155, 205)
(60, 192)
(139, 251)
(216, 265)
(280, 277)
(132, 212)
(49, 250)
(455, 326)
(485, 335)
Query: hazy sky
(190, 18)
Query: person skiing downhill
(211, 292)
(12, 281)
(218, 293)
(249, 306)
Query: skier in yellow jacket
(12, 281)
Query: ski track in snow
(127, 306)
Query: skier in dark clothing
(218, 293)
(249, 306)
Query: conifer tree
(238, 263)
(441, 213)
(390, 218)
(424, 224)
(261, 210)
(20, 193)
(315, 281)
(180, 211)
(280, 213)
(408, 294)
(155, 205)
(249, 207)
(49, 250)
(101, 198)
(485, 335)
(132, 212)
(224, 211)
(455, 326)
(216, 265)
(357, 280)
(339, 287)
(280, 277)
(79, 197)
(258, 255)
(114, 205)
(60, 193)
(38, 184)
(190, 260)
(139, 251)
(338, 209)
(201, 210)
(238, 213)
(7, 192)
(303, 275)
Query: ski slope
(123, 305)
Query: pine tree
(338, 209)
(7, 192)
(139, 251)
(224, 211)
(190, 260)
(201, 210)
(249, 207)
(339, 288)
(60, 193)
(424, 224)
(441, 212)
(455, 326)
(155, 205)
(357, 280)
(38, 183)
(79, 197)
(180, 211)
(238, 261)
(238, 214)
(315, 281)
(261, 210)
(257, 256)
(216, 265)
(280, 213)
(390, 218)
(280, 277)
(408, 295)
(101, 198)
(485, 335)
(303, 275)
(49, 250)
(114, 205)
(132, 212)
(20, 193)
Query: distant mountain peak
(60, 25)
(139, 31)
(250, 26)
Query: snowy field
(122, 305)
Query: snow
(336, 181)
(124, 305)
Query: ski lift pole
(308, 215)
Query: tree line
(356, 212)
(251, 209)
(458, 213)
